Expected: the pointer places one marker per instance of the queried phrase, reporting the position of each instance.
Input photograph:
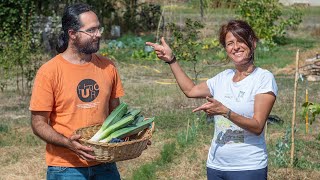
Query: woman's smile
(238, 54)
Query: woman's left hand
(212, 107)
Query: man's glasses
(93, 31)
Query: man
(76, 88)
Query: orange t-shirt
(77, 96)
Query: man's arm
(41, 128)
(113, 103)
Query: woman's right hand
(212, 107)
(163, 51)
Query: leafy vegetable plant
(312, 108)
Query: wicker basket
(113, 152)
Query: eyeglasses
(92, 31)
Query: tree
(186, 43)
(17, 45)
(268, 19)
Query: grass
(284, 54)
(171, 152)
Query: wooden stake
(201, 9)
(307, 114)
(294, 107)
(159, 24)
(187, 130)
(265, 130)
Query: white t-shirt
(233, 148)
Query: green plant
(123, 122)
(4, 128)
(312, 108)
(129, 47)
(168, 152)
(188, 46)
(129, 130)
(213, 3)
(114, 117)
(186, 43)
(139, 16)
(145, 172)
(144, 55)
(306, 150)
(186, 137)
(282, 148)
(149, 16)
(268, 19)
(18, 45)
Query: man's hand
(83, 152)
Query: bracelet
(228, 114)
(172, 61)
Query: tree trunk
(201, 9)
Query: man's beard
(88, 47)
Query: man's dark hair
(70, 20)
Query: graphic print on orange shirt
(88, 90)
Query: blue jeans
(259, 174)
(104, 171)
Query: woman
(240, 100)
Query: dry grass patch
(189, 165)
(22, 163)
(292, 174)
(303, 55)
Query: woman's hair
(70, 20)
(242, 31)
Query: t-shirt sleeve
(211, 85)
(42, 93)
(214, 81)
(117, 89)
(267, 84)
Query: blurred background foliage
(31, 27)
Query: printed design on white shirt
(228, 132)
(228, 96)
(240, 96)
